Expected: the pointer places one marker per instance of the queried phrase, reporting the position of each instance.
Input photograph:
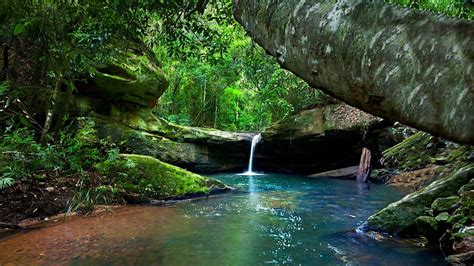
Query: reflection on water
(275, 219)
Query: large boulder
(149, 178)
(400, 216)
(132, 80)
(390, 61)
(320, 139)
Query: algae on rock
(150, 178)
(400, 216)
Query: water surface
(272, 219)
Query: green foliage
(148, 177)
(6, 181)
(87, 196)
(455, 8)
(239, 88)
(73, 152)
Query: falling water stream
(269, 219)
(255, 140)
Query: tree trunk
(398, 63)
(364, 166)
(50, 113)
(5, 62)
(175, 95)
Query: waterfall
(255, 140)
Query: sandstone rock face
(316, 140)
(130, 81)
(118, 100)
(196, 149)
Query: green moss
(469, 186)
(442, 217)
(411, 153)
(445, 204)
(467, 203)
(399, 217)
(152, 178)
(457, 218)
(427, 226)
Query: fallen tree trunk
(393, 62)
(363, 172)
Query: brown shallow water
(274, 219)
(74, 237)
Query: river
(270, 219)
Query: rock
(327, 42)
(445, 204)
(427, 226)
(464, 240)
(399, 217)
(317, 122)
(461, 259)
(455, 219)
(467, 204)
(415, 179)
(130, 81)
(318, 140)
(147, 177)
(442, 217)
(195, 149)
(467, 187)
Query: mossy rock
(457, 218)
(469, 186)
(315, 122)
(151, 178)
(442, 217)
(131, 79)
(445, 204)
(427, 226)
(399, 217)
(467, 203)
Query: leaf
(19, 29)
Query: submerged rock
(400, 216)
